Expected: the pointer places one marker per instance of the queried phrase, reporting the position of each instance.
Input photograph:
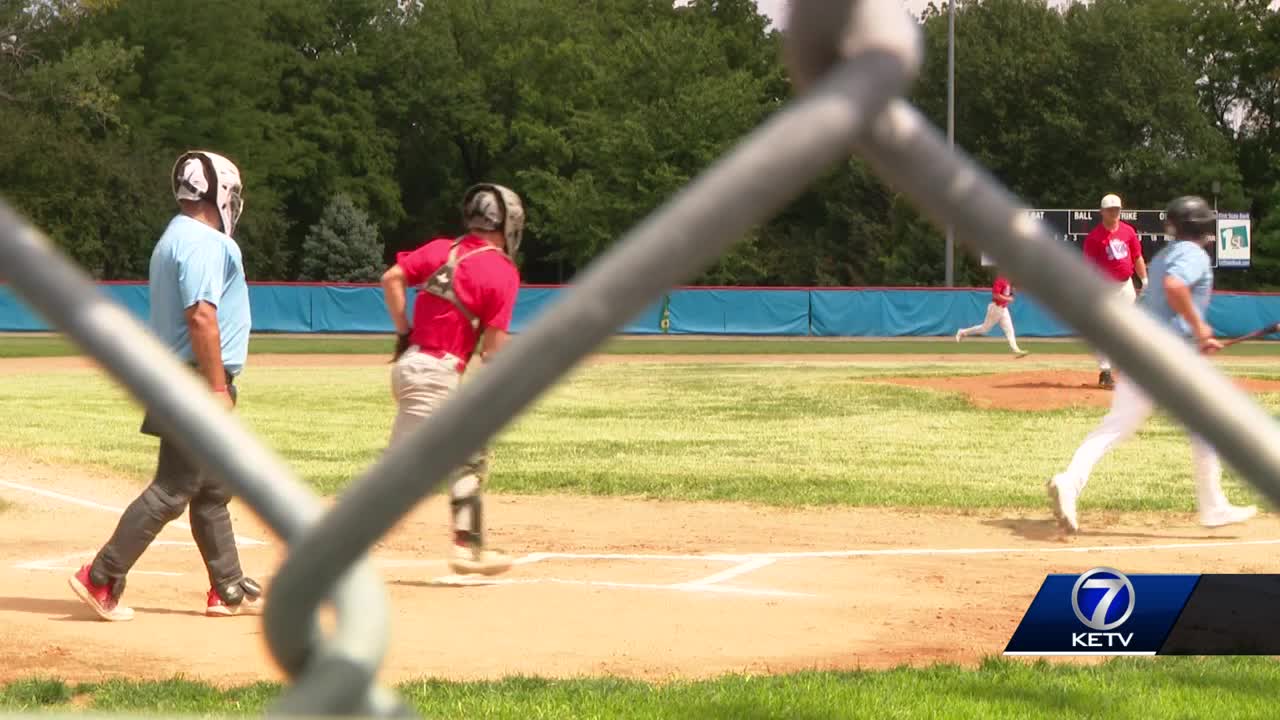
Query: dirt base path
(631, 588)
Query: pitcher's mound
(1041, 390)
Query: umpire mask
(494, 208)
(203, 175)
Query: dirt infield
(1041, 390)
(624, 587)
(638, 589)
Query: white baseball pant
(1126, 291)
(1130, 408)
(995, 314)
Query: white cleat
(959, 334)
(1228, 515)
(1063, 496)
(478, 561)
(1019, 354)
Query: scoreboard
(1071, 226)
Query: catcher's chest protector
(441, 281)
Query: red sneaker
(215, 607)
(98, 597)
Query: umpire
(200, 309)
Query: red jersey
(1114, 251)
(1000, 287)
(486, 283)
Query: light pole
(951, 129)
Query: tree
(597, 111)
(343, 246)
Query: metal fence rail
(851, 62)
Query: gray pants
(178, 483)
(420, 384)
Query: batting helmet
(204, 175)
(1190, 218)
(495, 208)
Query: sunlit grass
(792, 434)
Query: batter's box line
(708, 584)
(82, 502)
(466, 581)
(900, 552)
(59, 564)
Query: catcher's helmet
(493, 207)
(1190, 218)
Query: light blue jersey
(1188, 262)
(194, 262)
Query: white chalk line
(706, 584)
(464, 581)
(891, 552)
(60, 563)
(745, 562)
(82, 502)
(731, 573)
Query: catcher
(467, 292)
(1181, 286)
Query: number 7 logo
(1097, 579)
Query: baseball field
(705, 528)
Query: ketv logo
(1101, 611)
(1103, 599)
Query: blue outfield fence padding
(281, 308)
(336, 309)
(16, 316)
(738, 312)
(1233, 315)
(533, 300)
(836, 312)
(286, 308)
(927, 313)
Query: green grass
(42, 346)
(12, 346)
(1120, 688)
(792, 434)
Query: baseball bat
(1260, 332)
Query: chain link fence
(851, 62)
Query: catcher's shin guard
(467, 506)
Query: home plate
(469, 581)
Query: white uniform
(1128, 294)
(996, 314)
(1130, 406)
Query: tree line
(358, 124)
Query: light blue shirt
(1189, 263)
(194, 262)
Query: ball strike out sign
(1231, 248)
